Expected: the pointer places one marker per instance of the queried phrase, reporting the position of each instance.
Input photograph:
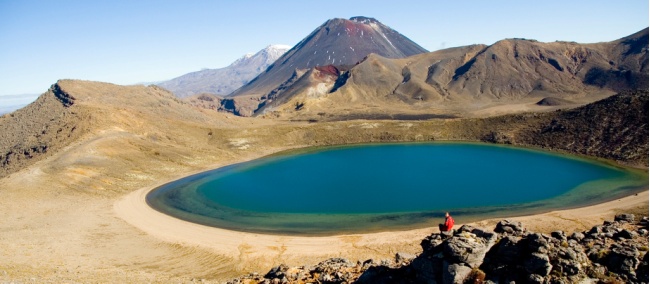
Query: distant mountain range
(507, 71)
(224, 81)
(362, 66)
(359, 67)
(13, 102)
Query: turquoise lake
(381, 187)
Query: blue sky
(127, 42)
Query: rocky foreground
(614, 252)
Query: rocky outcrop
(614, 252)
(550, 101)
(46, 125)
(615, 128)
(72, 109)
(206, 101)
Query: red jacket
(449, 224)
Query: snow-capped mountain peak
(225, 80)
(264, 57)
(277, 48)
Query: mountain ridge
(510, 71)
(223, 81)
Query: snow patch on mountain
(224, 81)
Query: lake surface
(379, 187)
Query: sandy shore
(53, 232)
(256, 251)
(66, 222)
(80, 216)
(77, 213)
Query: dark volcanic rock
(277, 272)
(508, 227)
(642, 269)
(624, 217)
(455, 273)
(623, 259)
(615, 128)
(507, 252)
(431, 241)
(467, 248)
(560, 235)
(626, 234)
(577, 236)
(554, 102)
(538, 263)
(468, 257)
(536, 242)
(403, 258)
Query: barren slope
(508, 76)
(71, 110)
(60, 225)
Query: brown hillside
(206, 101)
(72, 110)
(508, 76)
(615, 128)
(59, 205)
(47, 125)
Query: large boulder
(644, 222)
(455, 273)
(626, 234)
(538, 263)
(427, 268)
(569, 261)
(623, 259)
(536, 242)
(468, 248)
(508, 227)
(404, 258)
(507, 252)
(578, 236)
(431, 241)
(559, 235)
(277, 272)
(642, 269)
(504, 259)
(624, 218)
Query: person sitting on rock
(448, 225)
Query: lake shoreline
(255, 252)
(414, 208)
